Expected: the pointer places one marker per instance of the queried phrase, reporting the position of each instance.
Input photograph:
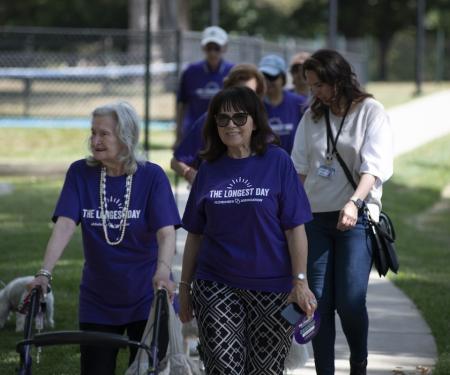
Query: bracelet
(186, 171)
(185, 283)
(164, 263)
(44, 272)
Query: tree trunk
(136, 15)
(384, 44)
(184, 21)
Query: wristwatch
(358, 202)
(300, 276)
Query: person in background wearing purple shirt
(201, 80)
(284, 108)
(245, 254)
(128, 216)
(186, 158)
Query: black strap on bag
(383, 232)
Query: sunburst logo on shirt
(239, 183)
(116, 201)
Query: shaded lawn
(422, 219)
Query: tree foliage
(383, 20)
(65, 13)
(268, 18)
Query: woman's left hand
(347, 217)
(161, 279)
(302, 296)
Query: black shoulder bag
(382, 232)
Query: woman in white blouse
(343, 122)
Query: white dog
(13, 295)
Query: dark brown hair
(243, 99)
(333, 69)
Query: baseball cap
(214, 34)
(272, 65)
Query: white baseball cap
(214, 34)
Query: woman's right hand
(41, 282)
(303, 297)
(186, 313)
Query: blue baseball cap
(272, 65)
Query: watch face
(301, 276)
(358, 203)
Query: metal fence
(68, 72)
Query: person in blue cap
(284, 109)
(202, 80)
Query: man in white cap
(202, 80)
(284, 109)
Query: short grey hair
(127, 130)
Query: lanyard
(330, 133)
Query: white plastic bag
(297, 356)
(176, 362)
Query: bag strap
(338, 156)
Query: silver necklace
(104, 208)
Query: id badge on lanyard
(327, 169)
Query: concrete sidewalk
(400, 341)
(420, 121)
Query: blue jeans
(338, 274)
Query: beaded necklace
(104, 208)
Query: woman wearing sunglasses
(245, 254)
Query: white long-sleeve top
(365, 144)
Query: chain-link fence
(68, 72)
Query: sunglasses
(296, 68)
(213, 47)
(239, 119)
(271, 78)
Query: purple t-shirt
(116, 286)
(198, 85)
(285, 117)
(242, 208)
(191, 143)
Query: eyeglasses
(239, 119)
(296, 68)
(271, 78)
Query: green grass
(47, 148)
(412, 198)
(423, 247)
(422, 218)
(396, 93)
(24, 229)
